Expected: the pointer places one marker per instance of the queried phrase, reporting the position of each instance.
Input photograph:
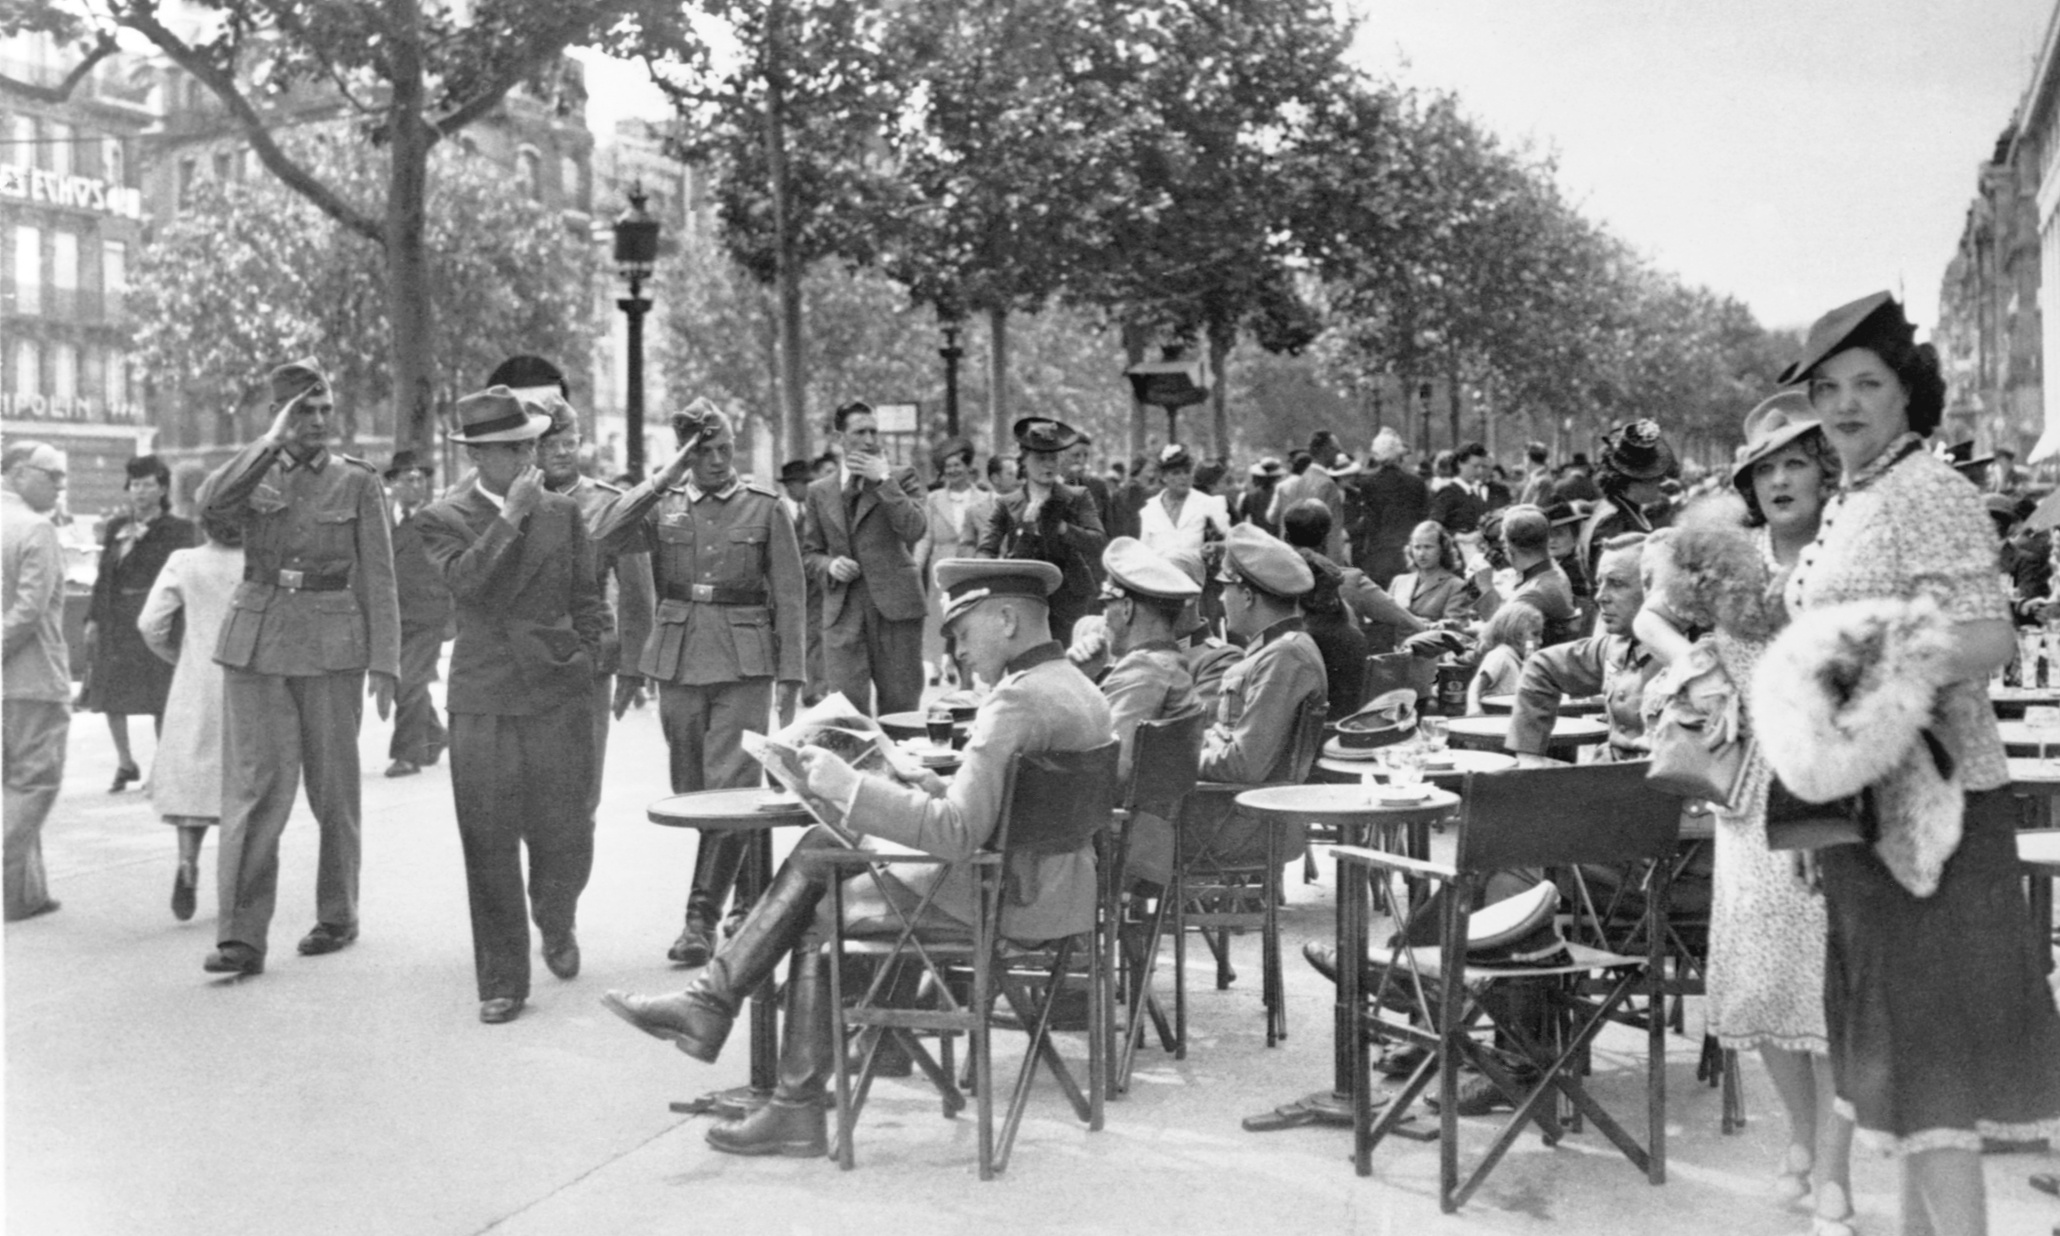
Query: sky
(1796, 154)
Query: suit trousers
(34, 737)
(418, 733)
(522, 782)
(866, 653)
(274, 728)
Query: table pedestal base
(732, 1104)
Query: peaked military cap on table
(1266, 563)
(1867, 320)
(1777, 421)
(966, 582)
(1041, 433)
(496, 415)
(1135, 567)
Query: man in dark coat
(864, 522)
(1388, 501)
(1050, 521)
(418, 734)
(531, 622)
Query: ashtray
(1402, 796)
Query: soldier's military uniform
(317, 609)
(727, 570)
(625, 580)
(1149, 682)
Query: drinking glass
(1405, 768)
(1432, 732)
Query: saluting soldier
(316, 613)
(730, 613)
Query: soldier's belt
(716, 594)
(297, 581)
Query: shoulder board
(353, 459)
(759, 487)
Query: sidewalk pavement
(359, 1094)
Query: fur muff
(1708, 571)
(1841, 701)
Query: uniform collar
(314, 463)
(1157, 645)
(695, 493)
(572, 487)
(1286, 626)
(1031, 658)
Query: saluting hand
(523, 494)
(677, 467)
(281, 432)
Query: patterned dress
(1766, 949)
(1942, 1028)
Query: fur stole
(1842, 701)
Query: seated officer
(997, 611)
(1142, 603)
(1252, 739)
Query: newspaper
(835, 726)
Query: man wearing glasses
(317, 613)
(37, 674)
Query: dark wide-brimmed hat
(797, 470)
(1866, 322)
(1777, 421)
(1045, 435)
(496, 415)
(1561, 513)
(1636, 451)
(409, 461)
(1269, 468)
(141, 466)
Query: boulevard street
(358, 1093)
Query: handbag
(1698, 746)
(1793, 824)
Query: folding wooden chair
(1226, 877)
(1162, 776)
(1054, 803)
(1557, 817)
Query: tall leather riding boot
(698, 1019)
(792, 1123)
(716, 863)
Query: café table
(1354, 812)
(1487, 733)
(2010, 702)
(1569, 706)
(756, 811)
(2039, 851)
(1340, 764)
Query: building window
(189, 173)
(64, 371)
(529, 169)
(21, 141)
(568, 179)
(114, 275)
(114, 166)
(28, 270)
(60, 147)
(117, 381)
(28, 367)
(225, 165)
(64, 272)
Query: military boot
(792, 1122)
(715, 873)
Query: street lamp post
(636, 250)
(952, 354)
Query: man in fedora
(730, 615)
(865, 522)
(624, 575)
(425, 601)
(996, 612)
(531, 625)
(317, 615)
(1048, 520)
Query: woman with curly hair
(1941, 1027)
(1722, 569)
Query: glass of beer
(937, 724)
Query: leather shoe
(690, 1021)
(324, 938)
(500, 1010)
(403, 768)
(795, 1129)
(50, 906)
(561, 957)
(124, 774)
(185, 882)
(693, 947)
(1479, 1096)
(234, 959)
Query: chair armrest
(867, 858)
(1358, 855)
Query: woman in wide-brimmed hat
(1942, 1029)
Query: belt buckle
(291, 579)
(704, 593)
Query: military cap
(528, 376)
(1135, 567)
(564, 419)
(496, 415)
(1266, 563)
(701, 419)
(409, 461)
(966, 582)
(296, 377)
(1045, 435)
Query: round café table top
(2040, 849)
(1569, 706)
(1343, 802)
(745, 809)
(1475, 731)
(1339, 761)
(2031, 775)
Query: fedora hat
(1778, 420)
(496, 415)
(409, 461)
(1636, 451)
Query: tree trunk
(1219, 384)
(787, 276)
(1452, 398)
(1134, 339)
(407, 260)
(998, 378)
